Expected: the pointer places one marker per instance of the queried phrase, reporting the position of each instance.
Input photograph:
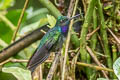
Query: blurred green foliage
(4, 4)
(19, 73)
(34, 17)
(6, 32)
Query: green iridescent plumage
(51, 41)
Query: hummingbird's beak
(74, 17)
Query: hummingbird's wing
(41, 54)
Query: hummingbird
(51, 41)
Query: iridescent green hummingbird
(51, 41)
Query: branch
(84, 30)
(104, 36)
(85, 57)
(22, 43)
(53, 67)
(50, 61)
(114, 36)
(53, 10)
(94, 67)
(96, 60)
(68, 40)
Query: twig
(90, 34)
(84, 4)
(74, 38)
(67, 41)
(20, 44)
(6, 61)
(53, 67)
(7, 22)
(73, 64)
(40, 73)
(99, 38)
(96, 60)
(85, 57)
(56, 3)
(50, 61)
(12, 60)
(94, 67)
(114, 36)
(20, 19)
(19, 61)
(70, 10)
(104, 36)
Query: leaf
(116, 68)
(108, 7)
(19, 73)
(105, 79)
(6, 76)
(33, 26)
(51, 21)
(3, 44)
(34, 16)
(101, 79)
(4, 4)
(5, 31)
(14, 16)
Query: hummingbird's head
(62, 21)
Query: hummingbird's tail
(38, 57)
(41, 53)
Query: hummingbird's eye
(61, 21)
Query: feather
(43, 51)
(40, 55)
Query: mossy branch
(67, 41)
(53, 10)
(85, 29)
(85, 57)
(94, 36)
(104, 34)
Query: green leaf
(4, 4)
(34, 16)
(14, 16)
(6, 76)
(108, 7)
(101, 79)
(11, 64)
(116, 68)
(51, 21)
(105, 79)
(19, 73)
(3, 44)
(33, 26)
(5, 31)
